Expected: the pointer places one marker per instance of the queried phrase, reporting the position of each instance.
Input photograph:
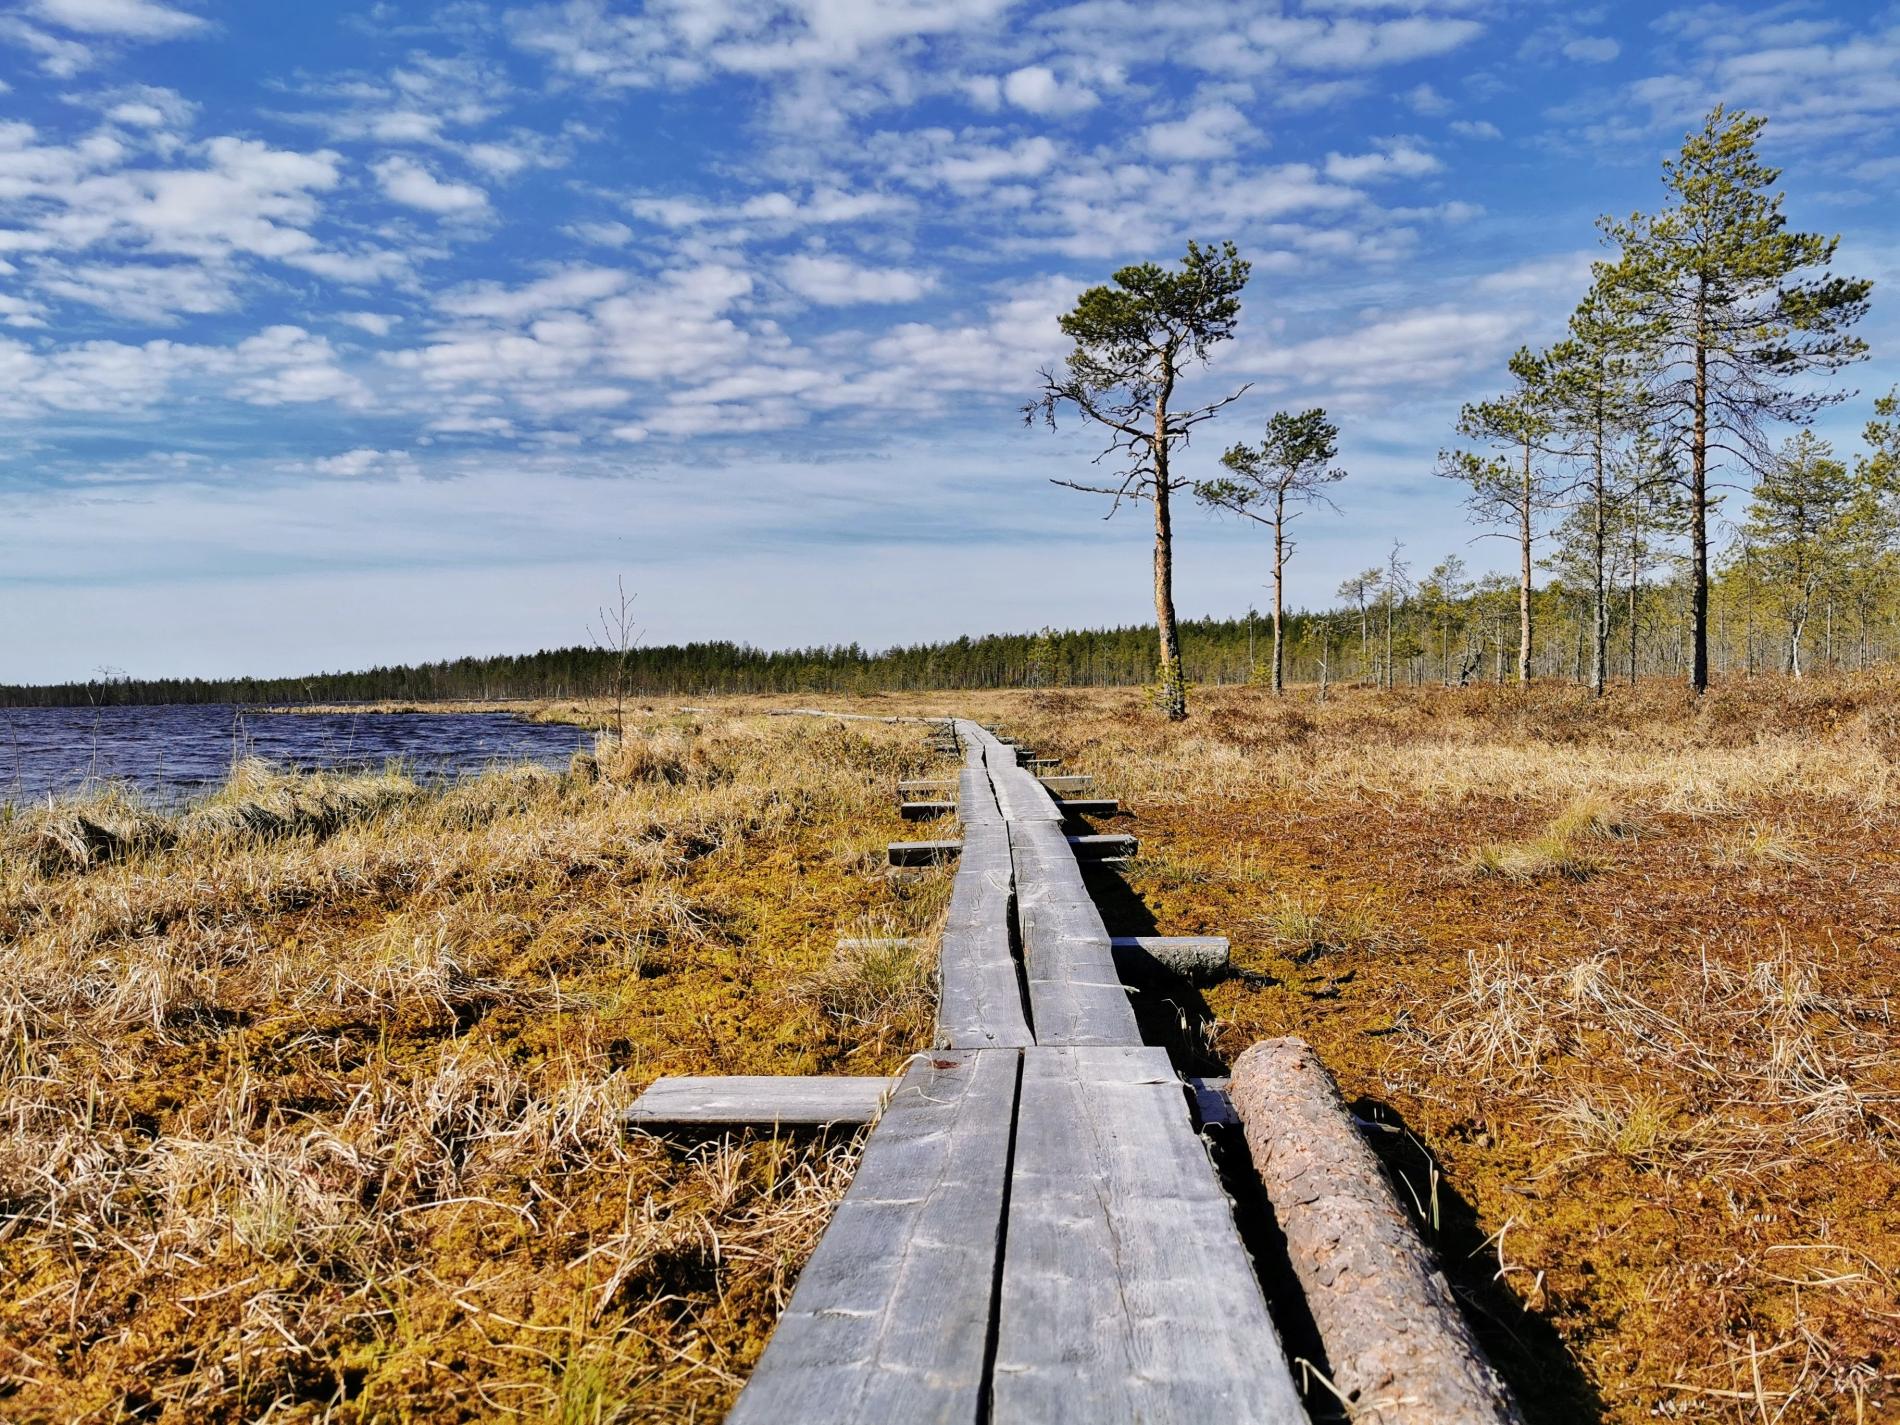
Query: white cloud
(600, 234)
(375, 323)
(142, 292)
(1426, 100)
(286, 365)
(128, 19)
(407, 182)
(566, 290)
(823, 206)
(61, 58)
(682, 44)
(1434, 347)
(836, 282)
(20, 312)
(1395, 160)
(1475, 129)
(1592, 49)
(979, 164)
(1211, 131)
(1036, 88)
(363, 463)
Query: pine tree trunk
(1279, 586)
(1173, 686)
(1699, 511)
(1524, 575)
(1600, 651)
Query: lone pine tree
(1133, 341)
(1269, 483)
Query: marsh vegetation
(312, 1090)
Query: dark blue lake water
(174, 753)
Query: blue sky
(337, 334)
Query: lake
(175, 752)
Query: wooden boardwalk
(1035, 1231)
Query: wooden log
(922, 853)
(1089, 806)
(1104, 848)
(758, 1101)
(1144, 958)
(891, 1317)
(1126, 1293)
(926, 811)
(1077, 782)
(1401, 1352)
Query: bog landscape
(689, 965)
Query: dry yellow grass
(310, 1095)
(316, 1110)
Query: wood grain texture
(1105, 847)
(1126, 1294)
(1070, 782)
(1400, 1349)
(1075, 991)
(1146, 958)
(981, 996)
(891, 1317)
(758, 1101)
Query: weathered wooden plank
(758, 1101)
(925, 788)
(1149, 957)
(891, 1317)
(1089, 806)
(1021, 796)
(1034, 762)
(926, 811)
(1126, 1292)
(1075, 992)
(981, 996)
(1075, 782)
(1103, 848)
(922, 853)
(1212, 1107)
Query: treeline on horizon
(1395, 631)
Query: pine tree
(1268, 483)
(1797, 522)
(1132, 342)
(1732, 308)
(1594, 394)
(1514, 489)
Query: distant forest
(1394, 630)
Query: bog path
(1035, 1231)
